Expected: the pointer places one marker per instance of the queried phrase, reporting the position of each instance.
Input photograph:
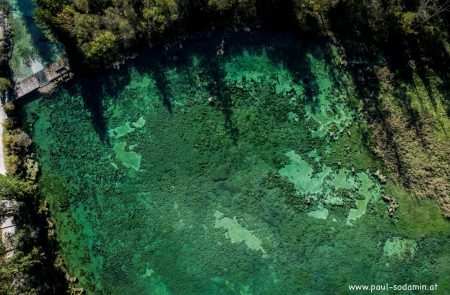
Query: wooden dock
(55, 72)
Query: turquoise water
(30, 43)
(188, 172)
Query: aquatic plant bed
(190, 171)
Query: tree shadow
(282, 48)
(296, 56)
(363, 55)
(93, 90)
(157, 72)
(220, 91)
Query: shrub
(9, 108)
(17, 141)
(14, 189)
(4, 84)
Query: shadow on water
(280, 48)
(94, 90)
(157, 71)
(295, 59)
(220, 91)
(179, 58)
(284, 48)
(45, 47)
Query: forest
(106, 30)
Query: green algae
(128, 158)
(320, 213)
(139, 123)
(237, 233)
(331, 116)
(417, 218)
(122, 130)
(369, 190)
(342, 180)
(238, 196)
(331, 187)
(300, 173)
(399, 248)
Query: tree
(427, 11)
(17, 141)
(4, 84)
(313, 7)
(14, 189)
(221, 5)
(157, 15)
(101, 46)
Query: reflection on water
(36, 66)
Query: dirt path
(8, 227)
(2, 156)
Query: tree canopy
(14, 189)
(105, 30)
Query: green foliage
(103, 30)
(157, 15)
(47, 12)
(17, 141)
(14, 189)
(9, 108)
(4, 84)
(17, 145)
(103, 44)
(5, 5)
(407, 20)
(313, 7)
(221, 5)
(98, 27)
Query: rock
(308, 201)
(392, 206)
(380, 176)
(386, 198)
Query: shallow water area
(189, 172)
(32, 50)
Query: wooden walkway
(55, 72)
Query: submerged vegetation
(251, 171)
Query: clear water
(188, 172)
(32, 49)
